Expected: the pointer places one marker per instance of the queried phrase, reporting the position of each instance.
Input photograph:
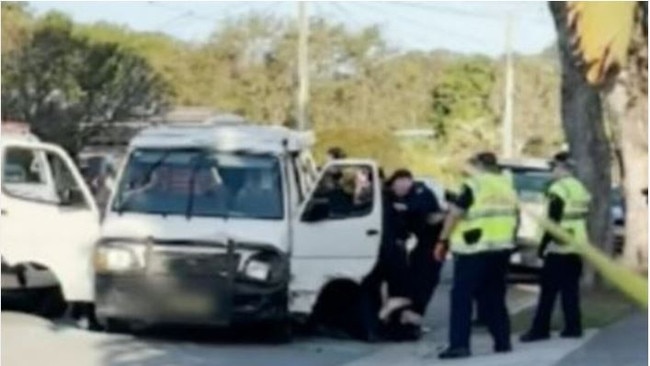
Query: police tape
(630, 283)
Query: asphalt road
(29, 340)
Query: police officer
(388, 279)
(421, 214)
(480, 231)
(568, 205)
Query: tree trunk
(628, 100)
(582, 121)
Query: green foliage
(15, 25)
(70, 88)
(358, 86)
(463, 94)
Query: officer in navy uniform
(422, 217)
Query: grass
(600, 308)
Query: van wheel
(113, 325)
(279, 332)
(50, 303)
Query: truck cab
(227, 222)
(49, 223)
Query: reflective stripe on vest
(576, 200)
(493, 214)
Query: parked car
(531, 177)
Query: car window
(532, 185)
(24, 175)
(66, 186)
(40, 175)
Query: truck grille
(195, 264)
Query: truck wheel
(50, 303)
(279, 332)
(113, 325)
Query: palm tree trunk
(582, 121)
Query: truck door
(337, 229)
(48, 216)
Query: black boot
(451, 353)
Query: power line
(442, 9)
(427, 27)
(172, 20)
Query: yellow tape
(627, 281)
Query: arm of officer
(429, 207)
(457, 210)
(555, 211)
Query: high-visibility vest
(576, 200)
(493, 214)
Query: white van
(221, 223)
(49, 223)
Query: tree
(70, 89)
(582, 120)
(610, 48)
(15, 25)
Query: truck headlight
(257, 270)
(266, 266)
(116, 259)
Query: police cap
(485, 159)
(562, 159)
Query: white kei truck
(226, 222)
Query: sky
(461, 26)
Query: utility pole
(507, 149)
(303, 67)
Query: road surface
(29, 340)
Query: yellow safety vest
(493, 214)
(576, 200)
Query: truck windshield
(196, 182)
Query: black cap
(336, 152)
(485, 159)
(562, 158)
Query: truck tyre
(114, 325)
(279, 332)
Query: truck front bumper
(191, 289)
(192, 301)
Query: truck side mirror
(318, 210)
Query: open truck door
(336, 231)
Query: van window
(197, 182)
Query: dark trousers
(424, 274)
(391, 267)
(560, 276)
(480, 276)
